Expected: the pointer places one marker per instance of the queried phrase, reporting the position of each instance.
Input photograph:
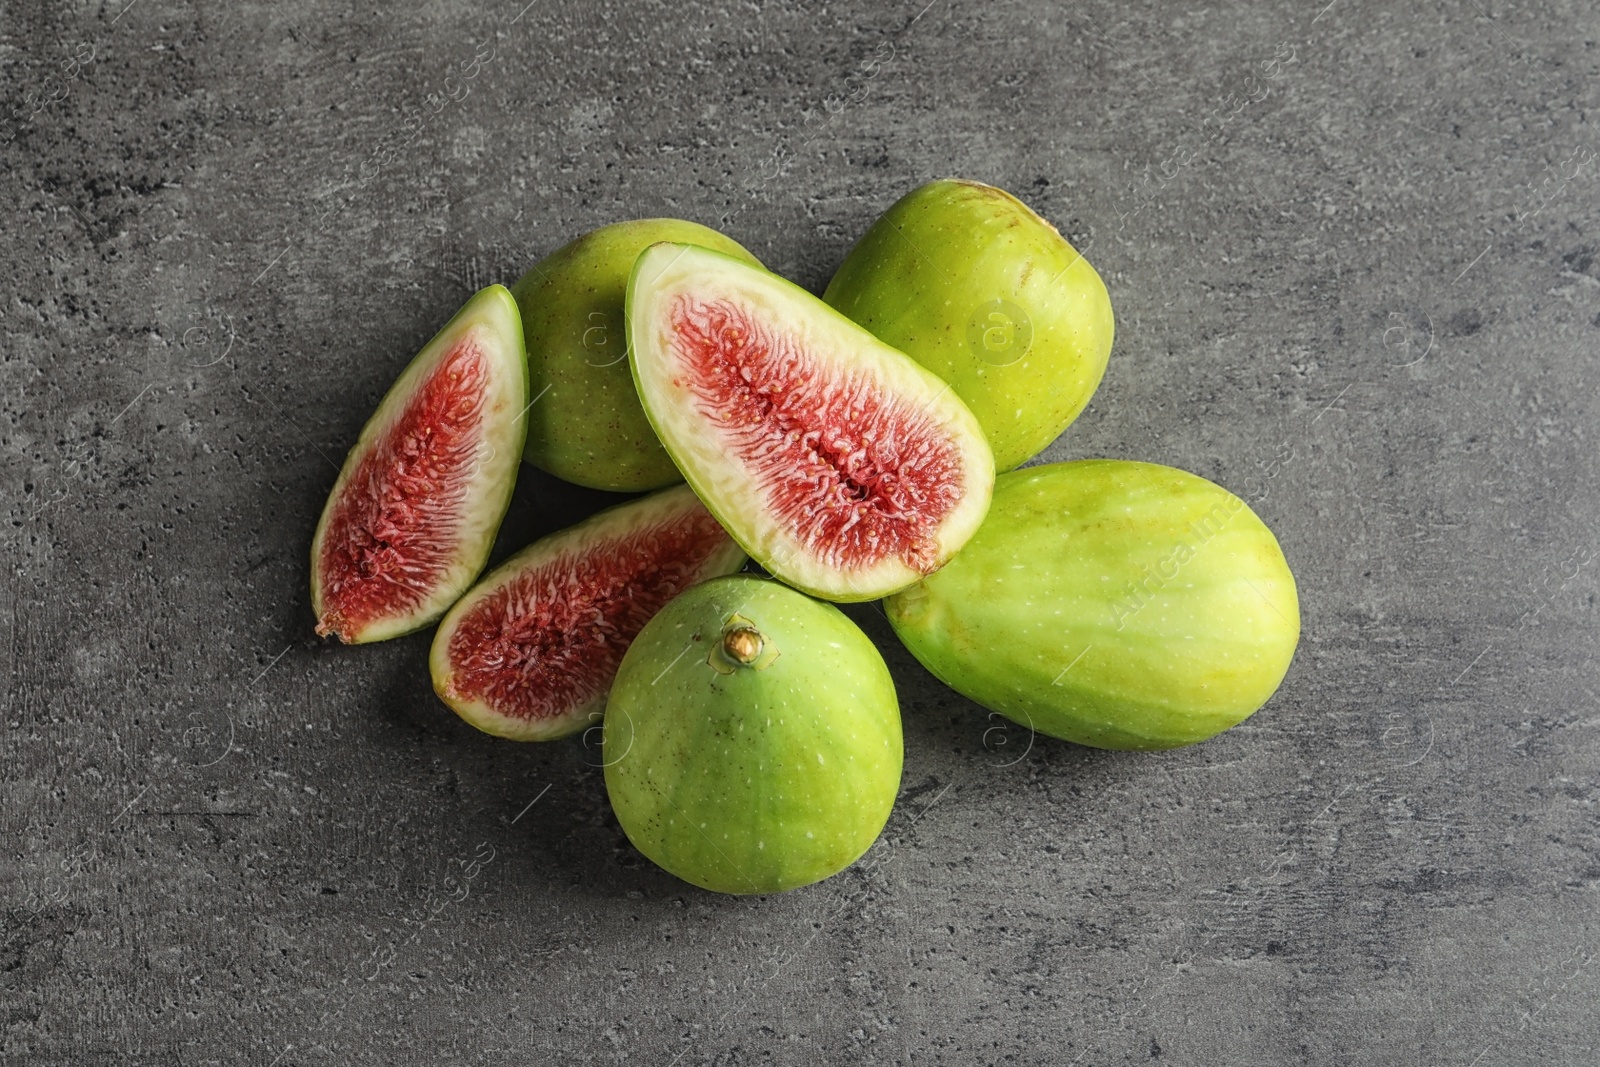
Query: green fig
(528, 653)
(585, 425)
(967, 280)
(752, 738)
(837, 463)
(414, 513)
(1114, 604)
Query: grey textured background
(1353, 252)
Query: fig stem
(742, 644)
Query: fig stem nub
(742, 644)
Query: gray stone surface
(1354, 259)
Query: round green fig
(1114, 604)
(585, 425)
(967, 280)
(752, 738)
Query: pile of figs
(795, 451)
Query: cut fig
(838, 463)
(530, 652)
(411, 519)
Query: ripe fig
(839, 464)
(968, 281)
(587, 426)
(530, 652)
(412, 517)
(1115, 604)
(752, 738)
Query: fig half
(530, 652)
(412, 517)
(840, 465)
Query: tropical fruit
(969, 282)
(839, 464)
(414, 512)
(1115, 604)
(752, 738)
(586, 425)
(530, 652)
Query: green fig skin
(586, 425)
(756, 775)
(967, 280)
(1114, 604)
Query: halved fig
(410, 522)
(838, 463)
(530, 652)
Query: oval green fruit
(1114, 604)
(752, 738)
(967, 280)
(585, 424)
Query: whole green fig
(585, 423)
(752, 738)
(965, 279)
(1115, 604)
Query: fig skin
(1115, 604)
(967, 280)
(752, 738)
(587, 426)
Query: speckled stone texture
(1353, 253)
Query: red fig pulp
(530, 652)
(414, 512)
(838, 463)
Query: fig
(587, 426)
(752, 738)
(1114, 604)
(968, 281)
(530, 652)
(414, 512)
(840, 465)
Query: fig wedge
(414, 512)
(530, 652)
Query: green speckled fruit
(585, 424)
(1115, 604)
(752, 738)
(968, 281)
